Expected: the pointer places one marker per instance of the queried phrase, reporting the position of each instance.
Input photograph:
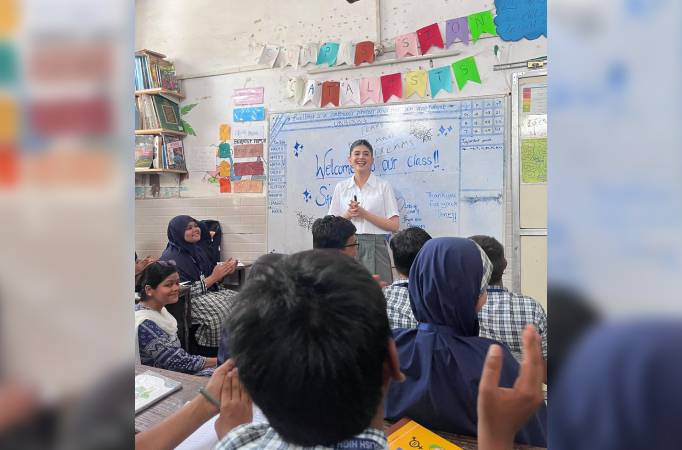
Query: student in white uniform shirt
(369, 202)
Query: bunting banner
(415, 82)
(308, 54)
(429, 36)
(312, 93)
(295, 87)
(330, 93)
(346, 54)
(327, 54)
(269, 55)
(288, 56)
(480, 23)
(466, 70)
(370, 89)
(456, 29)
(350, 92)
(406, 45)
(364, 52)
(392, 85)
(440, 78)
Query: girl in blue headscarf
(211, 303)
(443, 357)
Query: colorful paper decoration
(308, 54)
(406, 45)
(251, 114)
(248, 96)
(248, 168)
(415, 82)
(346, 54)
(440, 78)
(515, 20)
(248, 150)
(392, 85)
(225, 132)
(429, 36)
(350, 92)
(269, 55)
(456, 29)
(364, 52)
(224, 150)
(466, 70)
(248, 186)
(288, 56)
(295, 87)
(481, 22)
(224, 169)
(327, 54)
(370, 89)
(313, 93)
(330, 93)
(225, 187)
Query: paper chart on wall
(201, 159)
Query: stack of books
(159, 152)
(152, 71)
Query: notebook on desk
(407, 434)
(150, 387)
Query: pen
(209, 397)
(355, 198)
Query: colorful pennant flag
(288, 56)
(406, 45)
(330, 93)
(429, 36)
(466, 70)
(269, 55)
(312, 93)
(370, 89)
(415, 82)
(327, 54)
(295, 87)
(392, 85)
(346, 54)
(350, 92)
(440, 78)
(308, 54)
(456, 29)
(364, 52)
(481, 22)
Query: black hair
(153, 275)
(495, 252)
(263, 263)
(332, 232)
(310, 338)
(359, 142)
(405, 245)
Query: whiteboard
(444, 160)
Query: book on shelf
(167, 113)
(406, 434)
(175, 152)
(152, 71)
(144, 151)
(150, 387)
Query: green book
(169, 113)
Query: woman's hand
(221, 270)
(230, 266)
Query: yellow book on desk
(408, 434)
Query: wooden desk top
(192, 383)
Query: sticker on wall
(248, 168)
(248, 186)
(248, 96)
(248, 150)
(252, 114)
(248, 130)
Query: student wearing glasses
(369, 202)
(157, 330)
(335, 232)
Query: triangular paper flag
(288, 56)
(415, 82)
(429, 36)
(295, 88)
(308, 54)
(406, 45)
(481, 22)
(440, 78)
(330, 93)
(350, 92)
(312, 93)
(364, 52)
(456, 29)
(224, 132)
(370, 89)
(327, 54)
(466, 70)
(346, 54)
(269, 55)
(392, 85)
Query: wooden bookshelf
(160, 131)
(175, 171)
(175, 94)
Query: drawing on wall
(185, 125)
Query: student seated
(335, 232)
(506, 314)
(211, 303)
(442, 358)
(157, 330)
(404, 245)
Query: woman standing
(369, 202)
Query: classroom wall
(177, 28)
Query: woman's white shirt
(376, 196)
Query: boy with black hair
(505, 314)
(404, 245)
(335, 232)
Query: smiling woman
(369, 202)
